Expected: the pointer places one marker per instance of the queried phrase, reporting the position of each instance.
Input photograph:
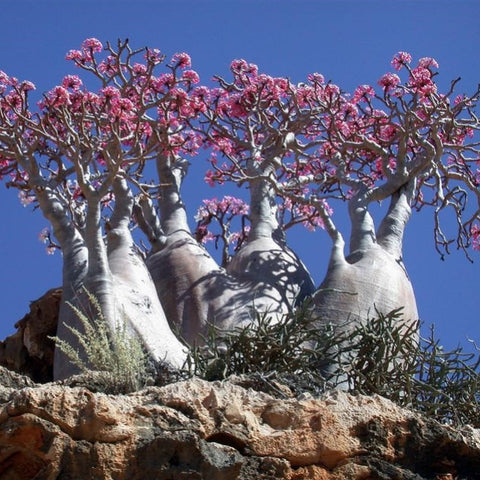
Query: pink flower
(191, 76)
(93, 44)
(475, 233)
(401, 59)
(210, 178)
(14, 100)
(193, 142)
(25, 199)
(332, 90)
(74, 55)
(26, 86)
(282, 85)
(316, 78)
(154, 56)
(139, 69)
(421, 81)
(363, 93)
(13, 81)
(349, 111)
(72, 81)
(389, 81)
(427, 62)
(110, 92)
(44, 235)
(235, 106)
(304, 95)
(164, 80)
(58, 97)
(145, 128)
(121, 107)
(108, 66)
(241, 66)
(234, 205)
(387, 132)
(182, 60)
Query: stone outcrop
(192, 430)
(29, 350)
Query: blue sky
(351, 42)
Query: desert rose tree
(410, 145)
(244, 126)
(194, 290)
(83, 154)
(310, 146)
(72, 157)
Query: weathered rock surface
(29, 350)
(220, 431)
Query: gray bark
(117, 277)
(194, 291)
(266, 257)
(74, 271)
(135, 294)
(373, 276)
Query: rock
(11, 382)
(221, 431)
(29, 350)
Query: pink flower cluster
(223, 212)
(182, 60)
(475, 234)
(400, 60)
(140, 94)
(363, 93)
(421, 78)
(85, 55)
(217, 208)
(421, 81)
(389, 81)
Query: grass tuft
(117, 355)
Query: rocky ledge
(220, 431)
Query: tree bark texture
(373, 276)
(114, 274)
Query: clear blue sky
(351, 42)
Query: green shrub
(117, 355)
(262, 347)
(382, 356)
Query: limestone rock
(29, 350)
(221, 431)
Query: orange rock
(220, 431)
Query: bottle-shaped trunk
(74, 272)
(367, 281)
(115, 276)
(373, 275)
(266, 258)
(194, 291)
(372, 278)
(135, 295)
